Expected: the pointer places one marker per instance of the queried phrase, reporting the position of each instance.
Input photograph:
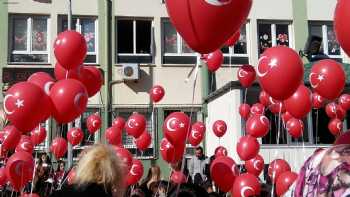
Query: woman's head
(100, 165)
(60, 166)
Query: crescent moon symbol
(129, 123)
(75, 133)
(311, 81)
(242, 73)
(258, 70)
(318, 97)
(244, 189)
(168, 126)
(5, 101)
(94, 123)
(256, 163)
(47, 87)
(220, 128)
(132, 171)
(339, 125)
(194, 136)
(25, 146)
(264, 120)
(218, 2)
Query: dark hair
(58, 165)
(188, 190)
(199, 148)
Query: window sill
(141, 64)
(31, 64)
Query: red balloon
(335, 126)
(246, 185)
(178, 177)
(335, 111)
(62, 73)
(223, 172)
(214, 60)
(176, 127)
(219, 128)
(295, 127)
(327, 78)
(38, 135)
(3, 178)
(255, 166)
(19, 169)
(119, 123)
(317, 100)
(344, 138)
(169, 152)
(70, 177)
(70, 49)
(246, 75)
(286, 117)
(135, 173)
(196, 134)
(220, 151)
(276, 106)
(233, 39)
(42, 80)
(69, 97)
(264, 98)
(257, 126)
(226, 18)
(114, 136)
(257, 108)
(247, 147)
(280, 65)
(344, 101)
(277, 167)
(59, 147)
(157, 93)
(284, 181)
(93, 123)
(125, 156)
(144, 141)
(75, 136)
(300, 103)
(244, 110)
(11, 137)
(135, 125)
(25, 144)
(92, 79)
(21, 105)
(341, 24)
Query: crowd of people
(99, 173)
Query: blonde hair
(100, 165)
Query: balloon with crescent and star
(176, 127)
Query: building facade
(123, 32)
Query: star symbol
(273, 63)
(167, 146)
(19, 103)
(320, 77)
(136, 124)
(182, 125)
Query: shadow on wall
(144, 84)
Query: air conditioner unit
(130, 71)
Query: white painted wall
(320, 10)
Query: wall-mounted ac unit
(130, 72)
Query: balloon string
(276, 151)
(34, 171)
(190, 121)
(245, 95)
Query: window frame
(231, 48)
(134, 20)
(273, 24)
(324, 28)
(29, 40)
(78, 27)
(153, 131)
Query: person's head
(208, 186)
(199, 152)
(101, 166)
(44, 157)
(61, 166)
(189, 190)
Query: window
(28, 39)
(273, 34)
(238, 54)
(88, 27)
(175, 49)
(275, 122)
(134, 40)
(324, 30)
(189, 148)
(320, 122)
(128, 141)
